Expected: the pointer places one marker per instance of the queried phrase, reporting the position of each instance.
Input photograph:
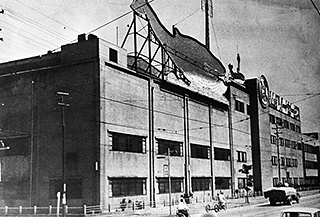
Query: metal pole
(278, 153)
(207, 34)
(63, 125)
(169, 177)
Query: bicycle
(216, 207)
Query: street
(258, 207)
(265, 209)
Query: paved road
(266, 210)
(258, 207)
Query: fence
(111, 208)
(36, 210)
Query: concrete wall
(34, 112)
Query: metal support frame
(157, 67)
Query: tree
(246, 170)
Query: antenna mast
(206, 6)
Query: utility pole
(169, 179)
(277, 128)
(63, 104)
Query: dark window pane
(199, 151)
(129, 143)
(222, 182)
(127, 186)
(175, 147)
(222, 154)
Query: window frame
(129, 145)
(176, 185)
(200, 151)
(201, 183)
(122, 187)
(239, 106)
(176, 148)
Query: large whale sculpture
(189, 54)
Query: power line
(186, 17)
(47, 16)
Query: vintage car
(281, 194)
(301, 212)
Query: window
(242, 183)
(74, 188)
(242, 156)
(281, 141)
(275, 182)
(294, 162)
(127, 187)
(311, 165)
(286, 124)
(288, 162)
(200, 184)
(282, 161)
(293, 145)
(72, 163)
(175, 147)
(310, 149)
(248, 110)
(274, 160)
(239, 106)
(222, 154)
(287, 143)
(272, 119)
(113, 55)
(278, 121)
(295, 181)
(129, 143)
(292, 127)
(176, 185)
(222, 182)
(200, 151)
(298, 129)
(273, 139)
(299, 146)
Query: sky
(276, 38)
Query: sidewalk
(163, 211)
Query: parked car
(281, 194)
(301, 212)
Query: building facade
(132, 129)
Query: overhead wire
(113, 21)
(188, 16)
(37, 11)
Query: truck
(281, 194)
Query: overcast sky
(276, 38)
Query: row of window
(310, 149)
(137, 144)
(285, 142)
(284, 123)
(291, 181)
(239, 106)
(289, 162)
(311, 165)
(120, 187)
(297, 181)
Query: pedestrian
(182, 207)
(222, 199)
